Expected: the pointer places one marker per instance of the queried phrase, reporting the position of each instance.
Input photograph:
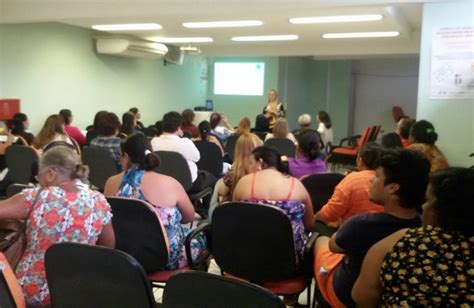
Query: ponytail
(138, 149)
(81, 172)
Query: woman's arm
(367, 290)
(183, 203)
(112, 185)
(222, 190)
(13, 208)
(107, 236)
(308, 219)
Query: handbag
(13, 237)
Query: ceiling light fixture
(223, 24)
(127, 27)
(189, 48)
(334, 19)
(182, 39)
(361, 34)
(261, 38)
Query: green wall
(238, 106)
(309, 86)
(453, 119)
(50, 66)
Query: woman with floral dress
(165, 193)
(62, 209)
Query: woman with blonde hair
(274, 109)
(281, 131)
(246, 143)
(52, 131)
(243, 126)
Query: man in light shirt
(171, 140)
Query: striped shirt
(112, 144)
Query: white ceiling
(402, 16)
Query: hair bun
(80, 172)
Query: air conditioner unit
(128, 48)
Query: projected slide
(239, 78)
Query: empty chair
(283, 145)
(262, 249)
(21, 162)
(320, 187)
(211, 157)
(94, 276)
(101, 165)
(205, 290)
(230, 146)
(348, 154)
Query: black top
(27, 136)
(356, 236)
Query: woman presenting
(274, 109)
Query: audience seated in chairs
(304, 121)
(92, 130)
(403, 130)
(129, 125)
(20, 124)
(171, 140)
(246, 143)
(61, 209)
(423, 138)
(399, 185)
(108, 126)
(243, 126)
(391, 140)
(188, 118)
(307, 153)
(73, 132)
(52, 131)
(284, 192)
(165, 193)
(351, 195)
(137, 114)
(220, 126)
(204, 130)
(281, 131)
(431, 266)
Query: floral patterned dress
(295, 212)
(429, 267)
(170, 217)
(58, 216)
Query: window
(239, 78)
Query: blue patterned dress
(170, 217)
(295, 212)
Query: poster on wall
(452, 63)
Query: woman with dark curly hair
(431, 266)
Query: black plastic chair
(150, 131)
(101, 165)
(21, 162)
(320, 187)
(140, 233)
(283, 145)
(230, 146)
(14, 189)
(211, 157)
(174, 165)
(92, 276)
(255, 252)
(205, 290)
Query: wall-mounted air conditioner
(130, 48)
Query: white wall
(380, 84)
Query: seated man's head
(401, 178)
(304, 121)
(172, 123)
(368, 157)
(108, 124)
(404, 127)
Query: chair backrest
(260, 249)
(139, 232)
(174, 165)
(21, 161)
(75, 147)
(397, 113)
(92, 276)
(11, 295)
(283, 145)
(364, 137)
(211, 157)
(150, 131)
(230, 146)
(14, 189)
(203, 290)
(320, 187)
(101, 165)
(375, 133)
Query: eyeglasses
(38, 176)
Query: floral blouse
(58, 216)
(429, 267)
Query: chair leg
(308, 295)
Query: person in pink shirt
(351, 195)
(73, 132)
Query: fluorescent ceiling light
(182, 39)
(127, 27)
(223, 24)
(260, 38)
(361, 34)
(331, 19)
(189, 48)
